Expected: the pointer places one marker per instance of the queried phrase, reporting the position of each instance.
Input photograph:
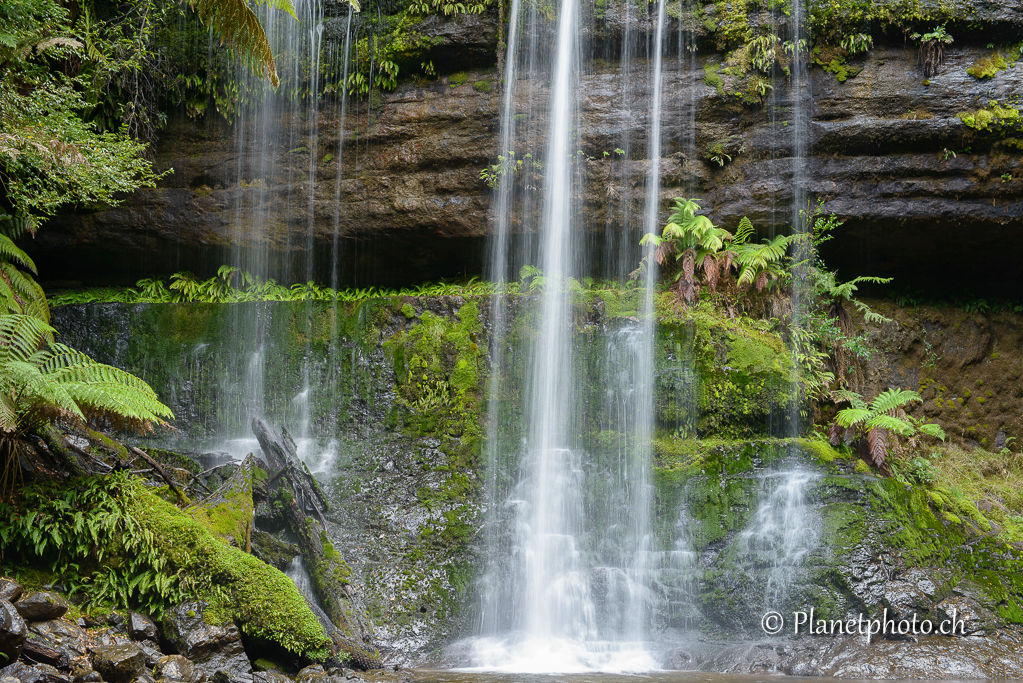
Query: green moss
(483, 86)
(994, 118)
(733, 24)
(861, 467)
(259, 599)
(457, 79)
(929, 528)
(988, 67)
(408, 311)
(711, 78)
(832, 60)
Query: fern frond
(36, 394)
(892, 399)
(103, 389)
(280, 5)
(10, 252)
(743, 232)
(761, 282)
(891, 424)
(709, 265)
(850, 397)
(869, 314)
(26, 294)
(835, 434)
(879, 446)
(688, 265)
(234, 22)
(931, 429)
(21, 336)
(853, 416)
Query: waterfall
(800, 97)
(567, 587)
(782, 533)
(297, 572)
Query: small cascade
(297, 572)
(801, 101)
(782, 533)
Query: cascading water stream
(782, 533)
(570, 593)
(800, 210)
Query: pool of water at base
(455, 676)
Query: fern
(41, 380)
(19, 293)
(893, 399)
(881, 421)
(234, 22)
(743, 232)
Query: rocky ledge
(403, 199)
(45, 644)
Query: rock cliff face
(403, 467)
(924, 196)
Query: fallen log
(328, 572)
(280, 452)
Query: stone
(141, 627)
(40, 673)
(110, 636)
(178, 668)
(12, 632)
(64, 634)
(310, 674)
(270, 677)
(41, 606)
(151, 651)
(43, 649)
(118, 663)
(10, 590)
(211, 648)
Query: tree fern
(880, 421)
(234, 22)
(19, 292)
(41, 381)
(759, 263)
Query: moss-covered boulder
(228, 511)
(238, 587)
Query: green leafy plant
(856, 42)
(19, 292)
(880, 423)
(509, 166)
(689, 242)
(83, 533)
(759, 264)
(764, 52)
(932, 49)
(43, 382)
(232, 285)
(234, 22)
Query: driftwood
(327, 570)
(159, 468)
(280, 450)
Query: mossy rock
(259, 599)
(988, 67)
(228, 512)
